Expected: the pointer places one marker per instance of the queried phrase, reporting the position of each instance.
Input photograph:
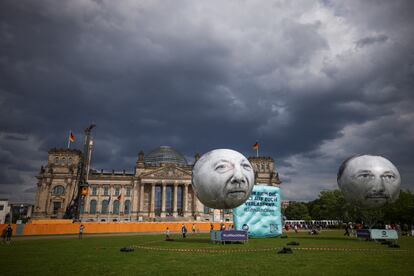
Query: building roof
(165, 155)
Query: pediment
(167, 172)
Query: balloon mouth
(377, 196)
(237, 193)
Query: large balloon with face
(223, 179)
(369, 181)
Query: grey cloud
(371, 40)
(199, 76)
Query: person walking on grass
(183, 230)
(167, 234)
(9, 232)
(81, 228)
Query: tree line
(331, 205)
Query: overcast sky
(312, 81)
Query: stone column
(152, 205)
(133, 212)
(121, 203)
(164, 198)
(111, 204)
(185, 200)
(86, 206)
(175, 200)
(141, 199)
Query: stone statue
(369, 181)
(223, 179)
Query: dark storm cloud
(312, 81)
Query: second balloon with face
(223, 179)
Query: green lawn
(152, 255)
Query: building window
(157, 200)
(82, 206)
(117, 191)
(92, 208)
(70, 160)
(206, 210)
(128, 191)
(63, 161)
(56, 160)
(94, 190)
(105, 205)
(56, 206)
(1, 207)
(116, 207)
(58, 190)
(180, 200)
(169, 200)
(127, 207)
(106, 191)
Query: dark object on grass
(394, 245)
(169, 239)
(292, 243)
(285, 250)
(386, 242)
(284, 237)
(127, 249)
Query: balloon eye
(246, 167)
(220, 167)
(365, 175)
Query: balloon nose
(238, 177)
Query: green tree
(329, 205)
(297, 210)
(401, 211)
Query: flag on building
(71, 137)
(119, 197)
(256, 148)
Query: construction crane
(81, 184)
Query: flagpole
(257, 152)
(70, 131)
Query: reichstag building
(159, 189)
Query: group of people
(6, 234)
(183, 231)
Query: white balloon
(223, 179)
(369, 181)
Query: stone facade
(156, 190)
(4, 210)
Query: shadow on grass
(344, 239)
(191, 240)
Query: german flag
(255, 146)
(71, 137)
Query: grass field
(327, 254)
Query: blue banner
(260, 215)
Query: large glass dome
(165, 155)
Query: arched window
(116, 207)
(56, 160)
(92, 208)
(58, 190)
(127, 208)
(63, 161)
(105, 205)
(70, 160)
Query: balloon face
(223, 179)
(369, 181)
